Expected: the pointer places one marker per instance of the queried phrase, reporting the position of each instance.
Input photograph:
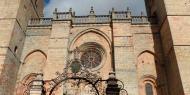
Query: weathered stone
(139, 49)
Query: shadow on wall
(168, 80)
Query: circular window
(91, 58)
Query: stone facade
(150, 54)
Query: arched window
(149, 89)
(148, 86)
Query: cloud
(82, 7)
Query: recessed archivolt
(149, 78)
(33, 63)
(23, 86)
(92, 45)
(156, 59)
(147, 64)
(147, 51)
(91, 30)
(39, 52)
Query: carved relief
(24, 86)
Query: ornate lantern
(112, 86)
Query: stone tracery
(91, 58)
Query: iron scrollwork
(77, 73)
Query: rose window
(91, 58)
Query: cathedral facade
(149, 54)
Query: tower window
(15, 49)
(25, 7)
(149, 89)
(35, 3)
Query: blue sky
(47, 1)
(82, 7)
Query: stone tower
(173, 17)
(13, 22)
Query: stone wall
(13, 22)
(138, 51)
(122, 41)
(175, 38)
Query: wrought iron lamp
(81, 74)
(112, 86)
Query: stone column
(37, 86)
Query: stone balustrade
(62, 16)
(139, 19)
(40, 22)
(93, 19)
(143, 20)
(120, 15)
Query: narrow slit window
(149, 89)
